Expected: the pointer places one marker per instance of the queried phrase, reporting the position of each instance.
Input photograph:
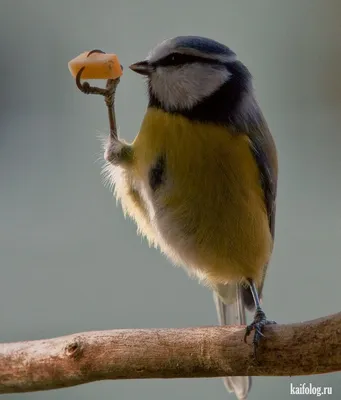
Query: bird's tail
(231, 311)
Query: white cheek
(182, 88)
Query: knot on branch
(74, 349)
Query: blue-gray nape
(203, 44)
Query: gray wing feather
(253, 123)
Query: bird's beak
(141, 67)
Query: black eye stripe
(181, 59)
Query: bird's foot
(257, 325)
(108, 93)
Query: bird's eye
(177, 59)
(173, 59)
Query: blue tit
(200, 177)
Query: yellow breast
(209, 215)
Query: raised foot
(109, 96)
(257, 325)
(85, 87)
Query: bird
(200, 177)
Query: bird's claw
(108, 93)
(86, 88)
(95, 51)
(257, 325)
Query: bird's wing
(264, 150)
(251, 121)
(265, 153)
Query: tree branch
(298, 349)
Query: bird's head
(184, 71)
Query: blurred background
(70, 262)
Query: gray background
(69, 260)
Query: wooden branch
(312, 347)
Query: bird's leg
(259, 320)
(116, 151)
